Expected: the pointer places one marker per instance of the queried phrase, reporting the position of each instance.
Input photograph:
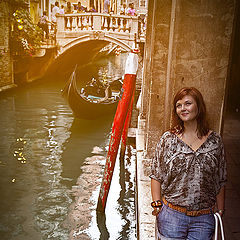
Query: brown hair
(202, 123)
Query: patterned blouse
(189, 178)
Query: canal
(51, 165)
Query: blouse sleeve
(157, 160)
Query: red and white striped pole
(118, 125)
(125, 128)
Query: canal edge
(145, 219)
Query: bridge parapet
(124, 28)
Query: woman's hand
(156, 211)
(221, 212)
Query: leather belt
(188, 213)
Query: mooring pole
(117, 127)
(125, 129)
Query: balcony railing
(97, 21)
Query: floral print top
(189, 178)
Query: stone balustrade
(78, 22)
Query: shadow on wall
(81, 54)
(32, 68)
(233, 99)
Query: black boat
(93, 100)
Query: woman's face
(186, 108)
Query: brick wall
(6, 74)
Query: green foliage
(25, 36)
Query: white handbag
(218, 219)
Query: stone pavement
(231, 138)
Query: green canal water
(51, 166)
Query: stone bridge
(78, 35)
(76, 28)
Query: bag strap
(218, 219)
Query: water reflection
(35, 201)
(85, 135)
(47, 168)
(101, 222)
(127, 193)
(103, 69)
(118, 221)
(19, 151)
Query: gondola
(92, 104)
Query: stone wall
(30, 68)
(6, 72)
(188, 44)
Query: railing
(97, 21)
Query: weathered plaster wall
(201, 51)
(189, 46)
(155, 66)
(6, 77)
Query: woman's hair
(202, 123)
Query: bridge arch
(97, 35)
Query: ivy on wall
(25, 36)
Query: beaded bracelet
(156, 204)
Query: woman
(131, 11)
(188, 172)
(69, 8)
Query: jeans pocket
(171, 224)
(160, 212)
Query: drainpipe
(167, 109)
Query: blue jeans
(176, 225)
